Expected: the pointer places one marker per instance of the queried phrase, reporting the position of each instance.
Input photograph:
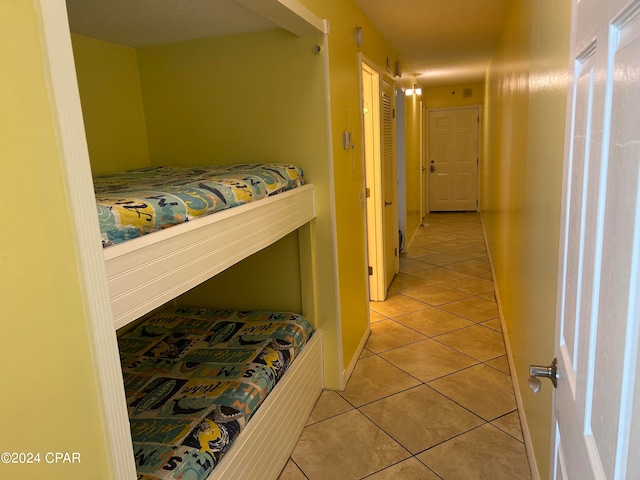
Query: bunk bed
(147, 272)
(144, 273)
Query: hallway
(431, 396)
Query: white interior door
(389, 183)
(453, 160)
(597, 403)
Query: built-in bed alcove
(209, 82)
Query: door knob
(433, 168)
(538, 371)
(386, 204)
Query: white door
(453, 160)
(389, 184)
(597, 403)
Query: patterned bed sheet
(137, 202)
(194, 377)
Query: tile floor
(431, 396)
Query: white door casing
(596, 429)
(453, 159)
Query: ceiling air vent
(467, 92)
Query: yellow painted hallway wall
(521, 184)
(111, 97)
(348, 166)
(49, 386)
(414, 110)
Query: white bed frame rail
(263, 447)
(146, 272)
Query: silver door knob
(538, 371)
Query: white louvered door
(389, 183)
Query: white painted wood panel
(146, 272)
(597, 401)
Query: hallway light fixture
(416, 90)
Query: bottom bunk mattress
(194, 377)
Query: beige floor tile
(469, 253)
(491, 296)
(433, 321)
(473, 285)
(485, 453)
(439, 275)
(481, 389)
(420, 418)
(328, 405)
(373, 379)
(352, 447)
(493, 324)
(510, 424)
(474, 308)
(375, 317)
(416, 252)
(470, 267)
(479, 342)
(436, 294)
(396, 304)
(404, 281)
(410, 469)
(292, 472)
(388, 334)
(440, 259)
(487, 276)
(366, 353)
(409, 265)
(428, 360)
(500, 363)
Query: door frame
(427, 147)
(372, 152)
(370, 90)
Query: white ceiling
(140, 23)
(442, 42)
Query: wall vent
(467, 92)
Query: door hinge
(395, 252)
(394, 113)
(367, 192)
(478, 161)
(370, 270)
(478, 118)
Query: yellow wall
(49, 389)
(521, 183)
(241, 98)
(451, 96)
(256, 283)
(111, 105)
(414, 108)
(344, 68)
(256, 97)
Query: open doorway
(378, 107)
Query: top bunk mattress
(137, 202)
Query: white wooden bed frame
(144, 273)
(149, 271)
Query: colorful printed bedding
(194, 377)
(133, 203)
